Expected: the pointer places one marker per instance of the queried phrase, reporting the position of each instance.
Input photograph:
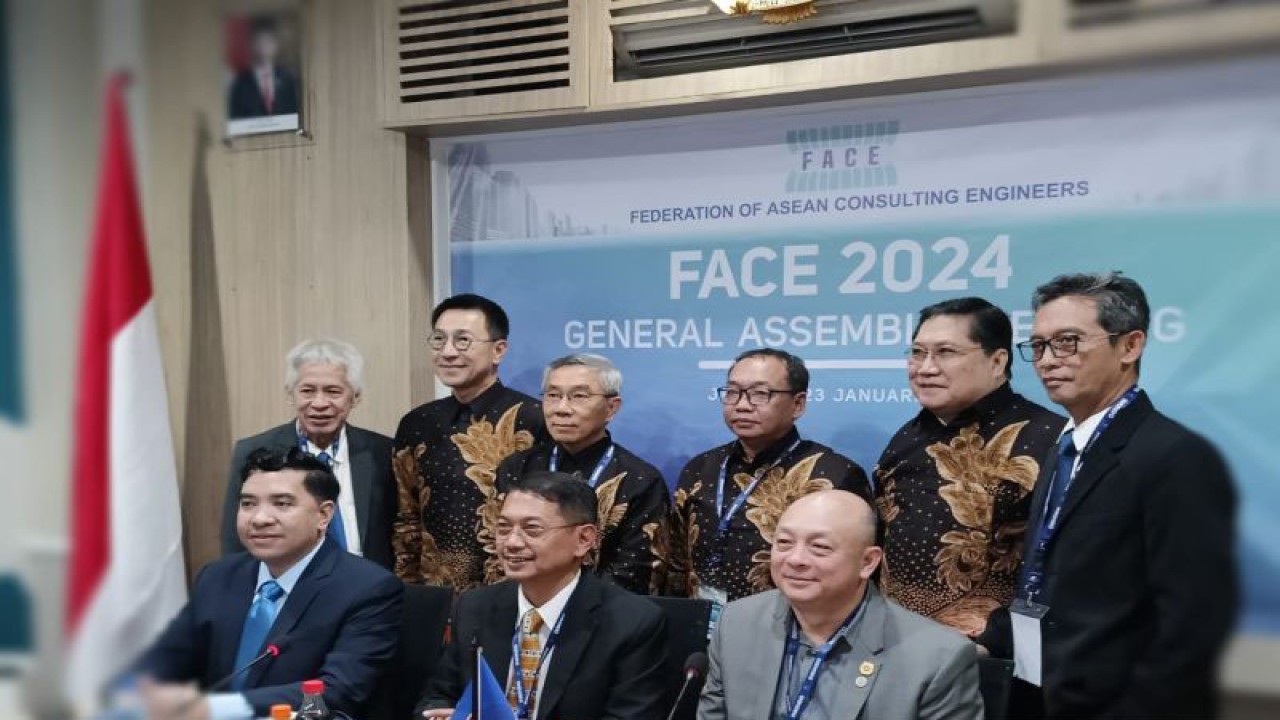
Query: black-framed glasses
(503, 531)
(754, 396)
(461, 341)
(577, 398)
(1061, 346)
(918, 354)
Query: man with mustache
(581, 394)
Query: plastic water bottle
(313, 707)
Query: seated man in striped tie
(568, 644)
(294, 607)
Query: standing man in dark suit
(265, 88)
(333, 616)
(580, 396)
(1128, 588)
(323, 380)
(588, 649)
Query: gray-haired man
(323, 382)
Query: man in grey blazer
(826, 644)
(323, 382)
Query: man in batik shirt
(729, 498)
(447, 451)
(954, 484)
(581, 394)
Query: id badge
(718, 600)
(1027, 657)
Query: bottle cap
(312, 687)
(281, 712)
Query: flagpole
(475, 679)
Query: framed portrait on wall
(263, 59)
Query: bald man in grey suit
(874, 659)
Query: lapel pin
(866, 668)
(860, 681)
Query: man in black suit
(588, 649)
(265, 88)
(1128, 588)
(323, 380)
(333, 616)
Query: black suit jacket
(245, 99)
(608, 663)
(342, 622)
(1140, 579)
(372, 483)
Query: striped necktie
(530, 654)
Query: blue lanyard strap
(797, 705)
(517, 677)
(1051, 518)
(603, 463)
(738, 502)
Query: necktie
(530, 654)
(262, 615)
(336, 529)
(1062, 478)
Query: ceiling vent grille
(655, 38)
(451, 49)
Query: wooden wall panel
(262, 244)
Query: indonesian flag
(126, 578)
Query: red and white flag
(126, 578)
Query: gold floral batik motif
(609, 513)
(671, 542)
(887, 501)
(416, 556)
(483, 446)
(972, 470)
(772, 496)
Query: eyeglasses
(461, 342)
(754, 396)
(918, 355)
(577, 398)
(1061, 346)
(529, 532)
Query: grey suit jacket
(922, 669)
(374, 487)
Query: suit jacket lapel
(495, 633)
(770, 649)
(575, 635)
(867, 643)
(362, 472)
(243, 583)
(1105, 454)
(297, 602)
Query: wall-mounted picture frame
(264, 71)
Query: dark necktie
(336, 529)
(262, 615)
(1062, 478)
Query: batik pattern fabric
(446, 460)
(954, 500)
(632, 495)
(690, 552)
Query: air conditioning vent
(655, 38)
(452, 49)
(1085, 13)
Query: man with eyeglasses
(447, 451)
(565, 643)
(729, 499)
(1128, 586)
(954, 484)
(581, 394)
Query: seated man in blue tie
(329, 614)
(568, 644)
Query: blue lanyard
(727, 517)
(517, 677)
(1051, 518)
(797, 705)
(303, 442)
(595, 474)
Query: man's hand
(167, 701)
(445, 713)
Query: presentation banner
(672, 246)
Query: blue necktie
(1062, 479)
(262, 615)
(336, 530)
